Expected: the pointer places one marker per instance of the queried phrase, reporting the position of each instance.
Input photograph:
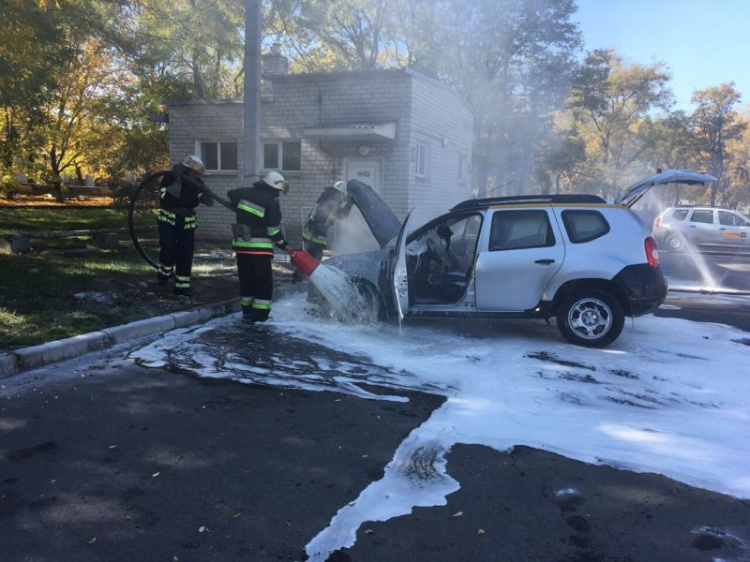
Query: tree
(198, 41)
(413, 35)
(33, 54)
(670, 141)
(610, 98)
(40, 47)
(562, 154)
(74, 118)
(512, 61)
(33, 50)
(335, 34)
(715, 124)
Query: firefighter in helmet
(257, 230)
(332, 205)
(182, 190)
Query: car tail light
(652, 252)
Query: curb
(14, 362)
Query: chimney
(274, 63)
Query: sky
(704, 43)
(664, 398)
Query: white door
(365, 170)
(399, 276)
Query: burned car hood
(382, 221)
(630, 195)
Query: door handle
(545, 262)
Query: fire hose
(299, 258)
(134, 198)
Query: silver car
(587, 262)
(705, 227)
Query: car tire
(590, 317)
(674, 243)
(372, 304)
(365, 309)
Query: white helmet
(277, 181)
(194, 163)
(340, 186)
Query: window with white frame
(285, 156)
(218, 156)
(419, 157)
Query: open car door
(379, 217)
(399, 278)
(632, 194)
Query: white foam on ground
(669, 396)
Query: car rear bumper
(643, 286)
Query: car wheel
(361, 307)
(674, 243)
(371, 303)
(592, 318)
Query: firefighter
(257, 231)
(332, 205)
(182, 190)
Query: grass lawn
(63, 287)
(16, 221)
(47, 296)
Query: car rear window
(513, 230)
(679, 214)
(584, 226)
(702, 215)
(730, 219)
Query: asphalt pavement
(103, 460)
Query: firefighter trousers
(314, 249)
(176, 248)
(256, 285)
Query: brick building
(406, 135)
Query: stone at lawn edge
(52, 352)
(141, 328)
(15, 245)
(8, 365)
(186, 318)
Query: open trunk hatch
(629, 196)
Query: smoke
(352, 235)
(691, 268)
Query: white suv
(705, 227)
(587, 262)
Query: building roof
(331, 76)
(354, 131)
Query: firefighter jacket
(258, 216)
(180, 195)
(330, 206)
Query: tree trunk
(58, 190)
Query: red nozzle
(303, 261)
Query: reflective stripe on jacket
(257, 210)
(170, 217)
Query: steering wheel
(433, 252)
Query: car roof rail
(569, 198)
(698, 205)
